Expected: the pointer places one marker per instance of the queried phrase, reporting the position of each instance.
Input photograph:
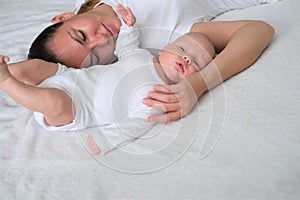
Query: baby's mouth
(179, 67)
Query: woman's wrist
(198, 84)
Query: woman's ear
(62, 17)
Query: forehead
(192, 45)
(194, 41)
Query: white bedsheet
(242, 140)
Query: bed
(241, 141)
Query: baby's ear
(161, 52)
(62, 17)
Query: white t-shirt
(110, 96)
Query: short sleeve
(62, 68)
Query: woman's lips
(109, 30)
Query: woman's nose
(187, 59)
(99, 39)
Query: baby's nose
(187, 59)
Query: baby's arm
(128, 40)
(32, 72)
(55, 104)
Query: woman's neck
(104, 8)
(88, 5)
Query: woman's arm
(32, 72)
(55, 104)
(239, 44)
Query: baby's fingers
(129, 12)
(121, 10)
(126, 14)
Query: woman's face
(86, 39)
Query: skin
(85, 33)
(32, 72)
(238, 44)
(181, 58)
(56, 106)
(188, 54)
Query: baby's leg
(94, 148)
(4, 73)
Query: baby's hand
(4, 73)
(127, 15)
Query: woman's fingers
(163, 93)
(165, 107)
(172, 111)
(165, 118)
(163, 89)
(175, 100)
(163, 97)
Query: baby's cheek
(191, 70)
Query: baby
(109, 97)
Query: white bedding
(241, 141)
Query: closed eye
(82, 35)
(197, 65)
(74, 37)
(78, 35)
(181, 48)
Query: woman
(89, 38)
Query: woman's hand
(239, 44)
(175, 100)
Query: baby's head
(188, 54)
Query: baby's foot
(4, 72)
(94, 148)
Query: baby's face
(185, 56)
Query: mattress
(241, 140)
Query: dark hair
(39, 48)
